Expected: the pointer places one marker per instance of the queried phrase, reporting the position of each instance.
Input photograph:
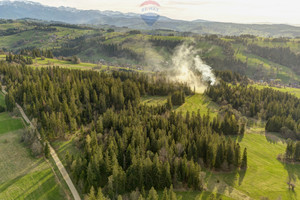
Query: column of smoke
(187, 67)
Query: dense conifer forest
(124, 145)
(280, 110)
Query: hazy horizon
(235, 11)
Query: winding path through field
(57, 161)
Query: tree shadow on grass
(240, 137)
(9, 183)
(242, 174)
(274, 138)
(46, 181)
(293, 171)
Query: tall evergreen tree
(244, 163)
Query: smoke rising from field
(187, 67)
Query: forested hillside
(280, 110)
(259, 58)
(124, 145)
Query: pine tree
(172, 194)
(47, 150)
(169, 104)
(244, 159)
(237, 155)
(100, 195)
(91, 195)
(152, 194)
(219, 157)
(165, 195)
(297, 152)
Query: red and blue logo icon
(150, 12)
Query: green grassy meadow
(192, 103)
(265, 176)
(9, 124)
(21, 175)
(294, 91)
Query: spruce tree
(47, 150)
(165, 195)
(244, 159)
(152, 194)
(92, 195)
(100, 195)
(237, 155)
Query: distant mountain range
(27, 9)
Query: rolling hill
(27, 9)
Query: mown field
(294, 91)
(265, 176)
(192, 103)
(21, 175)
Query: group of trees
(169, 42)
(293, 150)
(280, 55)
(280, 110)
(37, 53)
(124, 145)
(168, 194)
(18, 59)
(178, 98)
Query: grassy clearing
(62, 146)
(294, 91)
(154, 100)
(273, 70)
(193, 195)
(199, 102)
(192, 103)
(9, 124)
(22, 176)
(265, 176)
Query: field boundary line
(57, 161)
(53, 154)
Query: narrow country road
(57, 161)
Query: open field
(22, 176)
(199, 102)
(9, 124)
(192, 103)
(254, 62)
(294, 91)
(194, 195)
(265, 176)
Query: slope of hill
(22, 175)
(143, 50)
(19, 9)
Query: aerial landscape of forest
(101, 103)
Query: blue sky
(241, 11)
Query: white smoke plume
(189, 68)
